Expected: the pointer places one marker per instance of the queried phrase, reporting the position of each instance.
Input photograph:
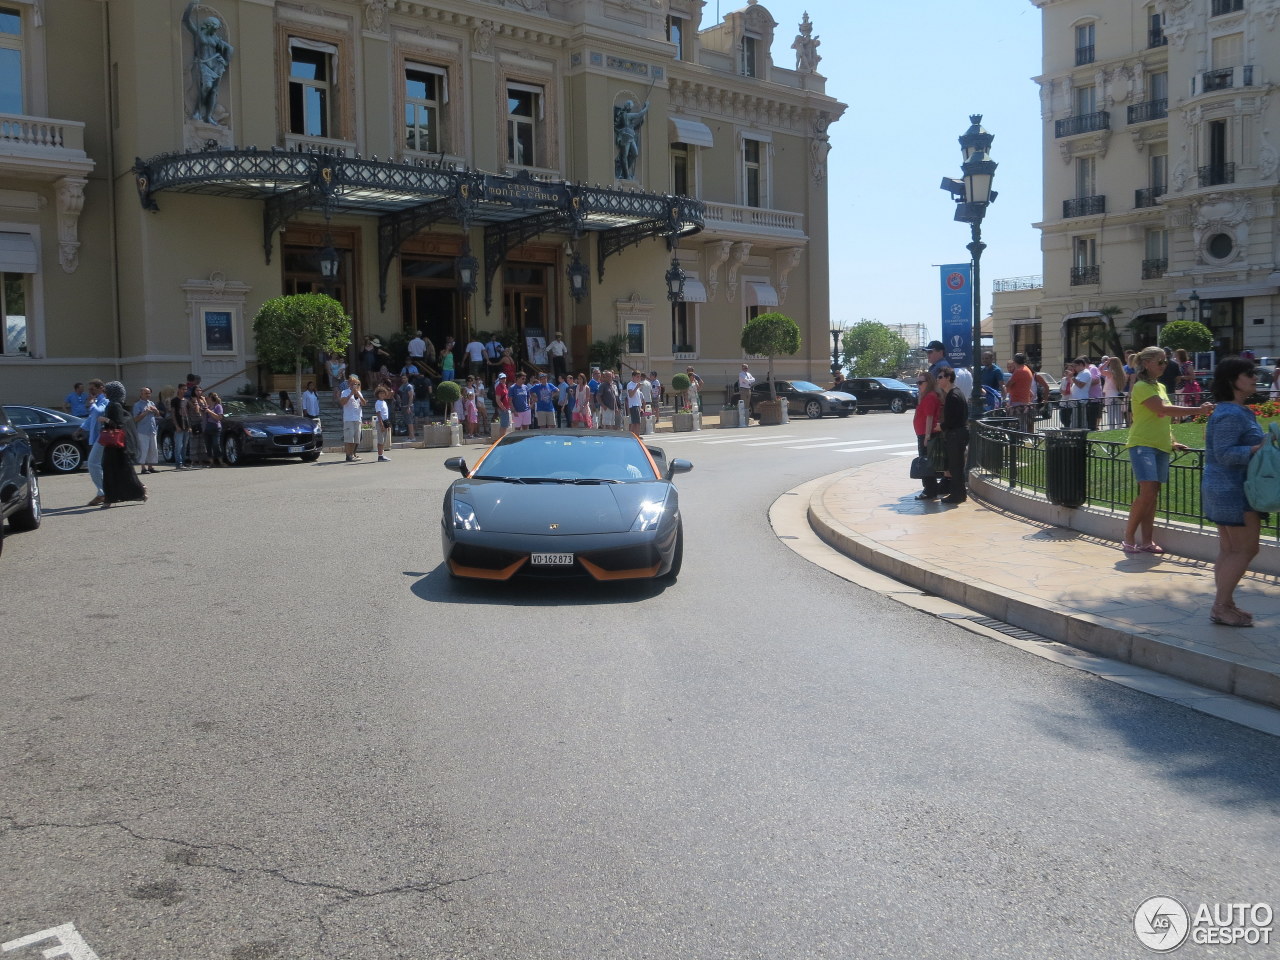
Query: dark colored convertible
(564, 503)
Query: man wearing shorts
(635, 402)
(352, 402)
(502, 400)
(519, 396)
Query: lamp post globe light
(973, 194)
(675, 277)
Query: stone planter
(366, 443)
(442, 435)
(729, 416)
(771, 412)
(686, 422)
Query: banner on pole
(957, 312)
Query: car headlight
(254, 432)
(464, 516)
(649, 517)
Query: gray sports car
(564, 503)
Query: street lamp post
(973, 196)
(835, 351)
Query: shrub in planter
(448, 392)
(680, 383)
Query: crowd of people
(1146, 393)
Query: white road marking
(887, 446)
(736, 440)
(770, 443)
(71, 944)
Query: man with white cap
(502, 400)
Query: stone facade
(100, 285)
(1159, 177)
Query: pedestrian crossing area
(716, 438)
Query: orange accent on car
(484, 573)
(600, 573)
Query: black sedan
(564, 503)
(255, 427)
(805, 397)
(882, 393)
(54, 436)
(19, 488)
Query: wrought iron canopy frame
(409, 198)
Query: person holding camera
(352, 403)
(382, 420)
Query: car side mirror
(458, 465)
(678, 466)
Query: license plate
(295, 449)
(552, 559)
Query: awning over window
(17, 253)
(761, 295)
(694, 291)
(695, 134)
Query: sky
(911, 75)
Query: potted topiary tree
(445, 434)
(289, 330)
(1186, 335)
(771, 334)
(686, 417)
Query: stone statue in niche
(209, 61)
(806, 47)
(627, 121)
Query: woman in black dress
(119, 482)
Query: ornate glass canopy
(408, 198)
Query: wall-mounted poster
(219, 331)
(537, 347)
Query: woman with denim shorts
(1150, 446)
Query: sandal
(1151, 548)
(1130, 547)
(1229, 617)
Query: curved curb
(1099, 635)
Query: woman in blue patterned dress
(1231, 437)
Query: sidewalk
(1063, 584)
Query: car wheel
(65, 456)
(231, 451)
(28, 518)
(813, 410)
(898, 405)
(677, 557)
(166, 448)
(311, 456)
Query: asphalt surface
(253, 719)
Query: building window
(749, 53)
(753, 170)
(1087, 337)
(524, 124)
(1225, 318)
(426, 91)
(11, 81)
(1156, 259)
(675, 34)
(1160, 86)
(1026, 340)
(1086, 101)
(1086, 177)
(1084, 44)
(1155, 29)
(680, 179)
(1219, 169)
(16, 339)
(635, 338)
(683, 328)
(1084, 261)
(311, 87)
(1221, 7)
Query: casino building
(523, 166)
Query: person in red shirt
(502, 400)
(928, 421)
(1020, 388)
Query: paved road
(253, 719)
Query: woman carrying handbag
(928, 422)
(119, 482)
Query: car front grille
(292, 439)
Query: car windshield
(539, 456)
(258, 408)
(806, 386)
(33, 416)
(893, 384)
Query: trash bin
(1066, 466)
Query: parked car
(255, 427)
(805, 397)
(53, 436)
(19, 487)
(882, 393)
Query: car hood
(839, 396)
(523, 508)
(273, 424)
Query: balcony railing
(1018, 283)
(1083, 206)
(1083, 275)
(1156, 38)
(1149, 110)
(1085, 123)
(1222, 7)
(1217, 173)
(1154, 269)
(726, 217)
(41, 134)
(1226, 78)
(1146, 197)
(1084, 55)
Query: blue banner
(957, 312)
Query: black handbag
(937, 453)
(920, 469)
